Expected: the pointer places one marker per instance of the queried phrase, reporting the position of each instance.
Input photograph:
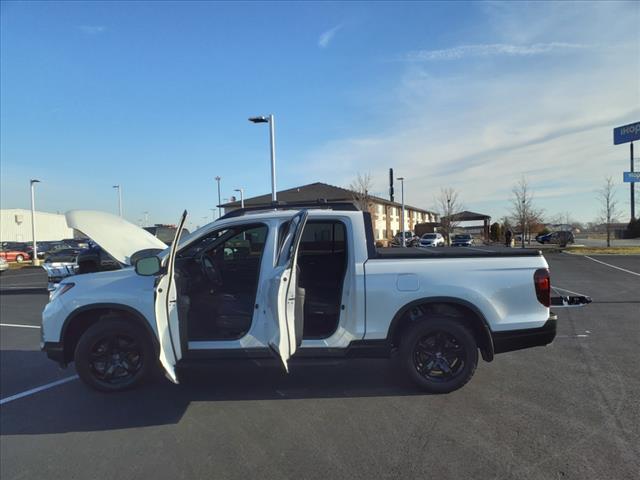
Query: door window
(287, 244)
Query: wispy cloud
(325, 38)
(479, 130)
(492, 49)
(92, 29)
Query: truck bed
(455, 252)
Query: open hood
(116, 236)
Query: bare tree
(360, 189)
(608, 205)
(523, 212)
(448, 204)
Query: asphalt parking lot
(570, 410)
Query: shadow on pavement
(74, 407)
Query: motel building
(385, 214)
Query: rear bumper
(530, 337)
(55, 351)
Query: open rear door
(284, 289)
(166, 306)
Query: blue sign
(626, 133)
(631, 177)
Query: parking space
(627, 262)
(569, 410)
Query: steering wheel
(210, 271)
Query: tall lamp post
(213, 214)
(32, 184)
(402, 198)
(272, 136)
(448, 221)
(119, 188)
(241, 190)
(524, 220)
(217, 179)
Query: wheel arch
(84, 317)
(470, 315)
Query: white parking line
(553, 287)
(18, 325)
(613, 266)
(37, 389)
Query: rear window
(321, 236)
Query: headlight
(61, 289)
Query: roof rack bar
(321, 203)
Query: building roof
(312, 192)
(466, 216)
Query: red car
(14, 255)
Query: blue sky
(155, 97)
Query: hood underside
(116, 236)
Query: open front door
(166, 307)
(284, 292)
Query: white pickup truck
(292, 283)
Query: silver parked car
(432, 240)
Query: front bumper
(55, 351)
(526, 338)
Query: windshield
(462, 237)
(429, 236)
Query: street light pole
(146, 218)
(32, 184)
(272, 137)
(213, 214)
(402, 198)
(219, 202)
(632, 186)
(524, 220)
(448, 221)
(119, 188)
(241, 190)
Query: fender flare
(140, 319)
(487, 353)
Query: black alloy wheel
(439, 354)
(115, 359)
(115, 354)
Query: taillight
(542, 281)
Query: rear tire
(19, 258)
(114, 355)
(440, 355)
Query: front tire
(439, 355)
(114, 355)
(19, 258)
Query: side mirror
(148, 266)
